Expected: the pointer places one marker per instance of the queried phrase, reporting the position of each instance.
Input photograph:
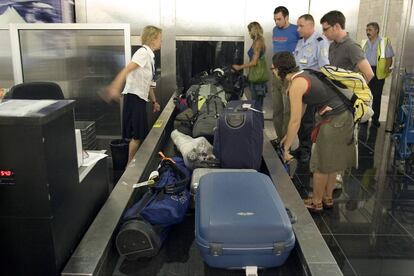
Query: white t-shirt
(138, 82)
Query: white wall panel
(213, 17)
(264, 11)
(138, 13)
(349, 8)
(168, 72)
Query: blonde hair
(149, 34)
(255, 30)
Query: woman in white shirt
(138, 77)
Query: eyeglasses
(327, 28)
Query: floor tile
(323, 228)
(352, 189)
(401, 187)
(365, 165)
(396, 187)
(403, 212)
(354, 217)
(364, 150)
(378, 255)
(339, 256)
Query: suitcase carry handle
(251, 271)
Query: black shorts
(134, 117)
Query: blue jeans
(258, 92)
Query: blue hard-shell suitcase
(241, 221)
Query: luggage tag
(249, 106)
(151, 180)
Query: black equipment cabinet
(44, 209)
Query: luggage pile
(204, 101)
(221, 144)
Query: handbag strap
(143, 202)
(182, 181)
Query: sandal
(328, 203)
(313, 207)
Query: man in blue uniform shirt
(285, 38)
(311, 52)
(312, 49)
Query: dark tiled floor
(369, 232)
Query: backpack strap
(333, 85)
(297, 74)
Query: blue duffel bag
(147, 222)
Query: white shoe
(339, 181)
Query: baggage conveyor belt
(96, 253)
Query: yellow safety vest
(381, 71)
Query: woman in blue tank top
(257, 50)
